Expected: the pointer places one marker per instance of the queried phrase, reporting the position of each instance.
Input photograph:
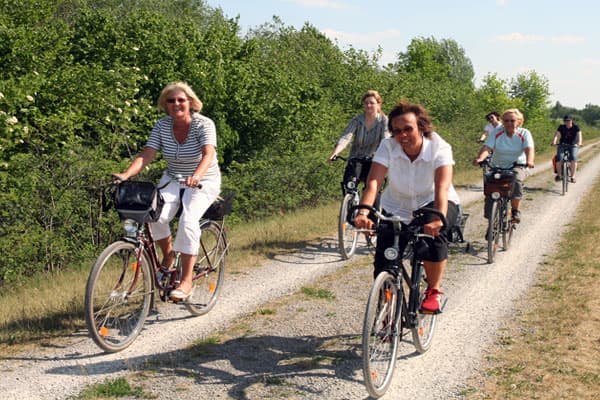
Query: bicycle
(394, 302)
(565, 172)
(127, 276)
(498, 184)
(347, 233)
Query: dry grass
(551, 348)
(50, 306)
(46, 307)
(254, 243)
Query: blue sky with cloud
(558, 39)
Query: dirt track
(307, 348)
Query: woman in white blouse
(418, 165)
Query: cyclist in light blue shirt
(509, 144)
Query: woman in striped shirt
(188, 141)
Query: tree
(493, 94)
(533, 90)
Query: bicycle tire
(209, 269)
(505, 225)
(347, 235)
(117, 299)
(492, 232)
(381, 334)
(511, 230)
(423, 333)
(565, 177)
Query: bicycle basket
(499, 181)
(220, 207)
(140, 201)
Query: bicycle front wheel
(565, 177)
(209, 269)
(381, 334)
(493, 231)
(118, 296)
(347, 235)
(423, 333)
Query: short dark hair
(423, 119)
(495, 113)
(567, 118)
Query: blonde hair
(518, 113)
(195, 103)
(375, 94)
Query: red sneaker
(431, 303)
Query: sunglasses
(177, 100)
(398, 131)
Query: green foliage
(114, 388)
(532, 90)
(436, 74)
(79, 81)
(492, 95)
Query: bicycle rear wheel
(493, 231)
(381, 334)
(423, 333)
(209, 269)
(118, 296)
(347, 235)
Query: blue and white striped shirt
(183, 158)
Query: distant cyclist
(570, 137)
(509, 144)
(367, 130)
(493, 119)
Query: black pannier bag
(140, 201)
(220, 207)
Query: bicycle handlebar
(335, 158)
(418, 215)
(486, 163)
(176, 177)
(564, 144)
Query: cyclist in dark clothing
(569, 135)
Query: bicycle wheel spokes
(493, 231)
(381, 334)
(118, 297)
(209, 270)
(565, 176)
(347, 235)
(423, 333)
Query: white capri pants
(195, 202)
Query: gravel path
(306, 348)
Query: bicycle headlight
(131, 227)
(495, 195)
(497, 175)
(351, 185)
(391, 253)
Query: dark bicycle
(347, 233)
(498, 186)
(127, 277)
(566, 174)
(394, 302)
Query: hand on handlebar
(118, 178)
(433, 228)
(362, 221)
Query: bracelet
(196, 177)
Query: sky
(559, 40)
